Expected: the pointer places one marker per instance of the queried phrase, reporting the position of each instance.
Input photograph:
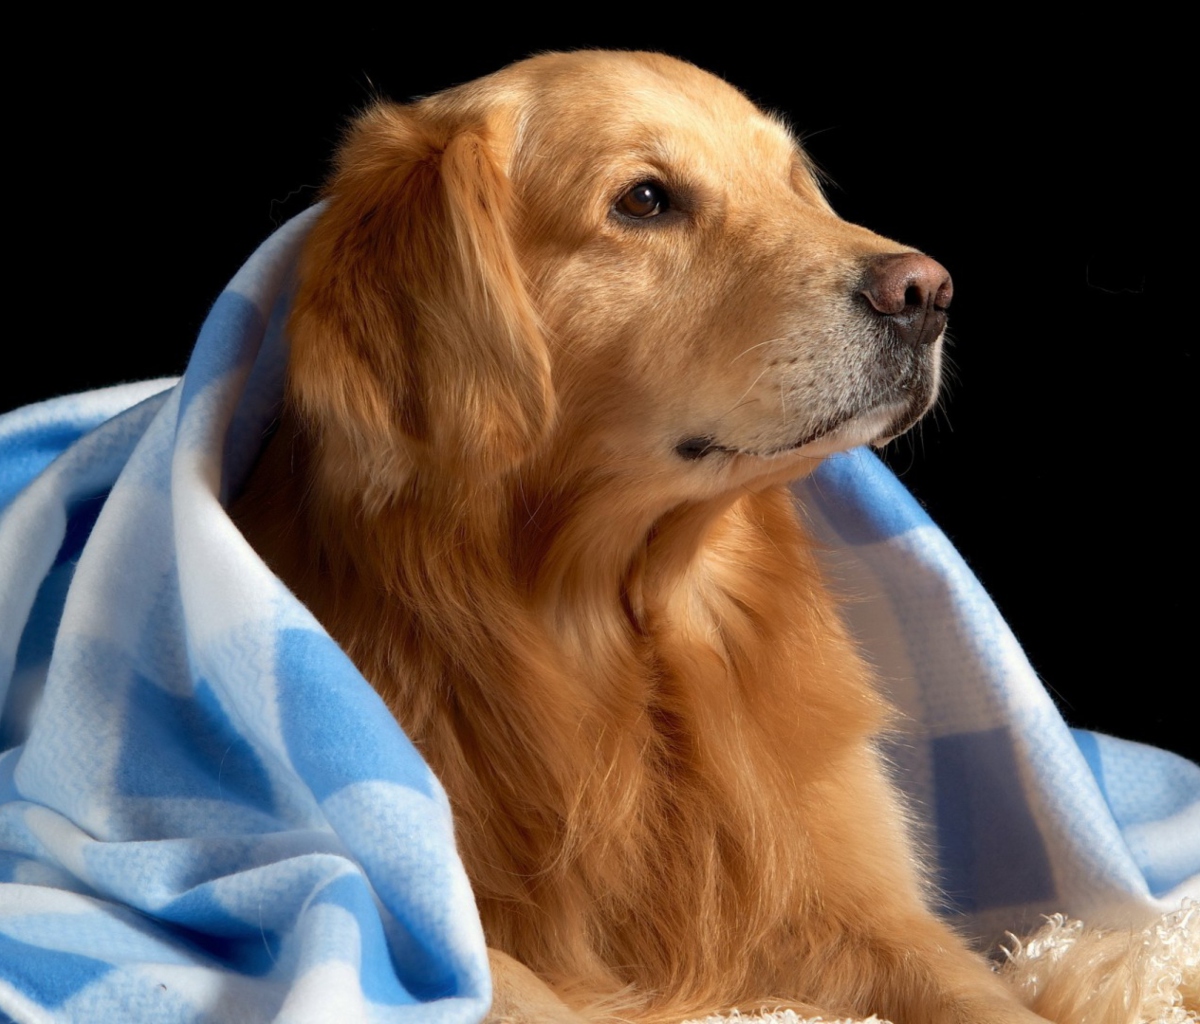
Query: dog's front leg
(887, 953)
(520, 997)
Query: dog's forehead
(604, 105)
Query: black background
(1040, 172)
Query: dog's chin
(770, 465)
(875, 426)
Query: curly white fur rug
(1071, 974)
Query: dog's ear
(412, 330)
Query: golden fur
(529, 474)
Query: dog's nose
(912, 291)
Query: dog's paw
(1007, 1014)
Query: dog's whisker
(741, 398)
(751, 348)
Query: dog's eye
(645, 200)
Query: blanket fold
(207, 814)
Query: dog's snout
(912, 291)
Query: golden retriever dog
(561, 337)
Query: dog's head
(609, 258)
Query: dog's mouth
(879, 418)
(694, 448)
(875, 426)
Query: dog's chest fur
(610, 735)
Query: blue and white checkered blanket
(206, 813)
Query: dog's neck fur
(658, 779)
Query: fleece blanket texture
(206, 813)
